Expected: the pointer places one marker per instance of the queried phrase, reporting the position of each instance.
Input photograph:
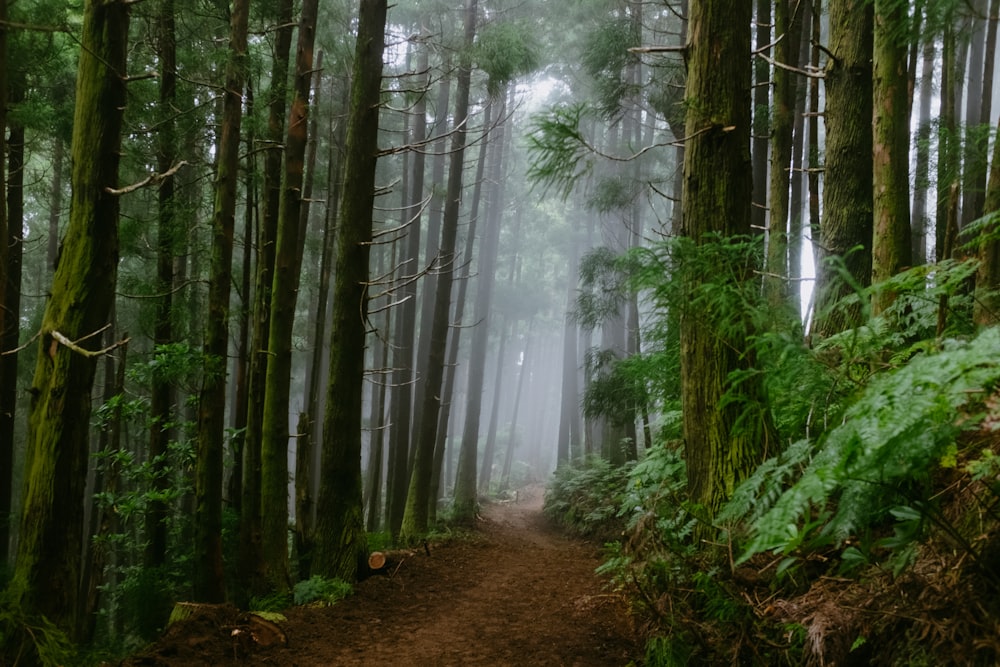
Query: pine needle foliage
(603, 288)
(558, 151)
(606, 57)
(888, 444)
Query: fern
(321, 590)
(30, 640)
(893, 436)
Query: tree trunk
(788, 26)
(47, 573)
(10, 325)
(948, 155)
(488, 252)
(404, 335)
(319, 365)
(240, 399)
(987, 303)
(284, 296)
(761, 116)
(722, 444)
(891, 149)
(512, 436)
(448, 395)
(569, 406)
(208, 583)
(977, 129)
(813, 163)
(978, 133)
(341, 543)
(489, 449)
(99, 552)
(431, 259)
(415, 514)
(303, 497)
(846, 226)
(253, 570)
(7, 317)
(921, 168)
(161, 392)
(55, 201)
(376, 419)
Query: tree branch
(152, 179)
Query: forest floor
(514, 592)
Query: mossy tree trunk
(415, 515)
(846, 225)
(252, 565)
(891, 248)
(47, 571)
(208, 583)
(722, 444)
(987, 304)
(341, 543)
(284, 296)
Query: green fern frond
(895, 434)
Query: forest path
(515, 593)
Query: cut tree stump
(376, 561)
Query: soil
(516, 592)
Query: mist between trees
(283, 301)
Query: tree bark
(284, 296)
(7, 317)
(976, 147)
(253, 570)
(208, 582)
(761, 116)
(47, 572)
(10, 325)
(161, 392)
(722, 445)
(404, 335)
(921, 169)
(846, 226)
(978, 126)
(341, 543)
(788, 26)
(891, 250)
(415, 514)
(987, 304)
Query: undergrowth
(881, 510)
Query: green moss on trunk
(891, 147)
(716, 202)
(846, 227)
(341, 543)
(48, 556)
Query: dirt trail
(517, 593)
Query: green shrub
(321, 590)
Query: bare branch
(152, 179)
(66, 342)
